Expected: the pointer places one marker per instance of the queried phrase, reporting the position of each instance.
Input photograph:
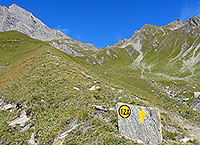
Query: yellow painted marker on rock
(142, 114)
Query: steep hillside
(55, 94)
(14, 45)
(48, 98)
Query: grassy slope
(44, 82)
(129, 78)
(44, 79)
(145, 90)
(14, 45)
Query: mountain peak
(14, 5)
(17, 18)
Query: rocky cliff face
(16, 18)
(194, 21)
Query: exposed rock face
(85, 46)
(194, 21)
(176, 24)
(149, 132)
(66, 48)
(16, 18)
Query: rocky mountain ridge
(16, 18)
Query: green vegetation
(53, 88)
(45, 83)
(14, 45)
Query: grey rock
(66, 48)
(75, 88)
(66, 133)
(85, 46)
(186, 99)
(149, 131)
(196, 94)
(103, 108)
(16, 18)
(20, 120)
(7, 107)
(94, 88)
(176, 24)
(186, 139)
(32, 141)
(174, 83)
(4, 106)
(26, 128)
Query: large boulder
(139, 123)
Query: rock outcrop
(16, 18)
(176, 24)
(66, 48)
(194, 21)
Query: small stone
(7, 107)
(185, 140)
(121, 91)
(20, 120)
(174, 83)
(186, 99)
(57, 64)
(26, 128)
(139, 141)
(103, 107)
(31, 141)
(113, 89)
(75, 88)
(43, 65)
(58, 142)
(94, 88)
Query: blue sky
(104, 22)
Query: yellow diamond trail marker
(142, 114)
(141, 124)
